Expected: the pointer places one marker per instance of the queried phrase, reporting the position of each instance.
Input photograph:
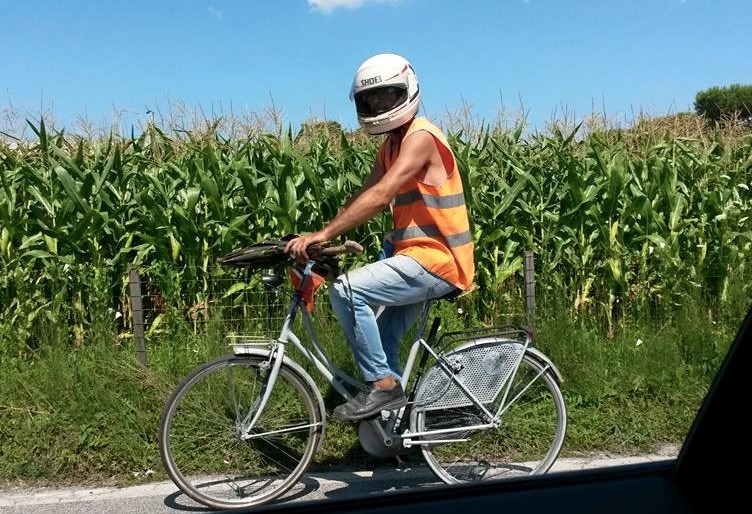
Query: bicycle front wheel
(526, 442)
(212, 454)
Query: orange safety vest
(431, 223)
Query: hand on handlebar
(316, 246)
(298, 247)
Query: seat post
(424, 318)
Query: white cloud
(327, 6)
(215, 12)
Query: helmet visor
(375, 101)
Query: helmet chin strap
(403, 128)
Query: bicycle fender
(543, 359)
(295, 367)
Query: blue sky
(96, 58)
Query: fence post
(137, 311)
(530, 290)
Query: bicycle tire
(522, 444)
(199, 439)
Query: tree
(716, 103)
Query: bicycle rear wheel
(208, 453)
(526, 442)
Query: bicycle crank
(376, 441)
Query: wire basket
(252, 313)
(481, 361)
(234, 303)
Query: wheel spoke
(202, 445)
(527, 440)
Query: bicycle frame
(337, 378)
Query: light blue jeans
(401, 286)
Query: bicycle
(482, 404)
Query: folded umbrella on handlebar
(272, 252)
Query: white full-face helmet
(386, 93)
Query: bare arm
(373, 178)
(376, 193)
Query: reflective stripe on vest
(454, 240)
(435, 201)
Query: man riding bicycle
(429, 253)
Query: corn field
(618, 219)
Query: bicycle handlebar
(273, 252)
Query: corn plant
(617, 219)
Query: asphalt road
(164, 497)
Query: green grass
(90, 413)
(86, 413)
(640, 388)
